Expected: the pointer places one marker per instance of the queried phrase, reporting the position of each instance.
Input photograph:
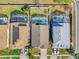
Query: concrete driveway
(53, 56)
(23, 56)
(43, 54)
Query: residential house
(60, 31)
(39, 32)
(19, 31)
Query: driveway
(23, 54)
(71, 57)
(43, 54)
(53, 56)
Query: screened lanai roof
(60, 19)
(19, 18)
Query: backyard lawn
(36, 1)
(8, 9)
(16, 1)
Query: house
(19, 31)
(60, 31)
(4, 32)
(39, 32)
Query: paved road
(77, 27)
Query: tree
(17, 12)
(25, 8)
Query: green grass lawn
(35, 51)
(16, 1)
(10, 52)
(15, 58)
(63, 51)
(33, 1)
(4, 57)
(8, 9)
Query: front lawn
(4, 57)
(63, 51)
(15, 58)
(35, 51)
(10, 52)
(49, 50)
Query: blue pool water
(19, 18)
(40, 20)
(3, 21)
(59, 19)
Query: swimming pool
(40, 20)
(3, 20)
(19, 18)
